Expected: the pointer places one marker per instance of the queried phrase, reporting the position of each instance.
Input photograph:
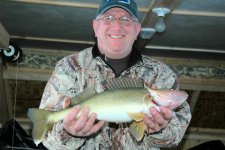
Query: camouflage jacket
(87, 69)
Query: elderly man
(116, 27)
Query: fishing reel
(12, 54)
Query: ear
(138, 28)
(95, 25)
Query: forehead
(117, 10)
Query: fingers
(83, 125)
(70, 117)
(66, 102)
(150, 124)
(93, 127)
(90, 123)
(90, 126)
(82, 121)
(97, 126)
(158, 120)
(166, 113)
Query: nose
(117, 22)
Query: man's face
(116, 40)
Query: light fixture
(161, 12)
(147, 33)
(12, 54)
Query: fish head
(167, 97)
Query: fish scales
(114, 105)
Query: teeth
(116, 37)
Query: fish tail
(39, 118)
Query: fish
(125, 100)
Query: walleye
(125, 101)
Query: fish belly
(117, 114)
(115, 106)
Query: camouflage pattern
(75, 73)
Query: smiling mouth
(116, 36)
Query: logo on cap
(121, 1)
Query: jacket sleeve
(174, 132)
(60, 84)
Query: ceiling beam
(28, 74)
(198, 13)
(67, 3)
(205, 134)
(151, 18)
(202, 84)
(51, 39)
(184, 49)
(59, 3)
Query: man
(116, 27)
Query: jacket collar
(134, 58)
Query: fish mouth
(155, 102)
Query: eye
(125, 19)
(109, 18)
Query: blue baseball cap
(129, 5)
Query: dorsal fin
(82, 96)
(127, 82)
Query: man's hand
(158, 120)
(85, 125)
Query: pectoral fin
(136, 116)
(137, 129)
